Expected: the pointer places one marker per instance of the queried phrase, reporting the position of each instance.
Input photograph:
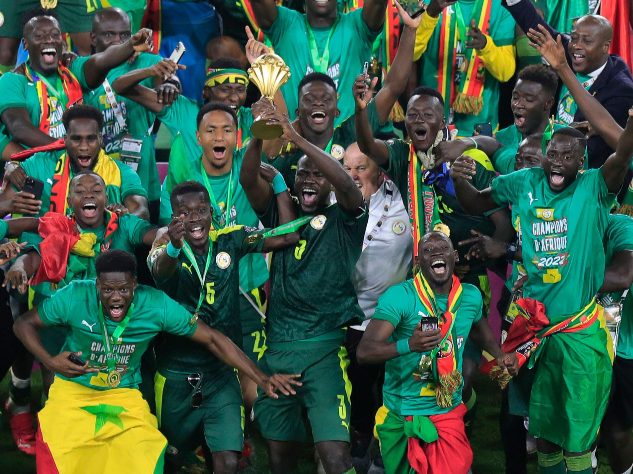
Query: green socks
(579, 464)
(552, 463)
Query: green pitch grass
(486, 441)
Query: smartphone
(428, 324)
(178, 52)
(484, 129)
(414, 8)
(34, 187)
(75, 359)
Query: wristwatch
(511, 251)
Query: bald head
(365, 172)
(110, 26)
(110, 14)
(589, 43)
(601, 23)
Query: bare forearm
(138, 206)
(376, 352)
(164, 267)
(224, 349)
(28, 334)
(470, 199)
(124, 83)
(20, 225)
(285, 208)
(618, 276)
(374, 149)
(482, 336)
(257, 189)
(97, 67)
(27, 134)
(615, 168)
(11, 149)
(29, 263)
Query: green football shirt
(221, 299)
(561, 236)
(180, 117)
(253, 269)
(18, 91)
(350, 47)
(138, 122)
(451, 213)
(401, 306)
(76, 308)
(311, 283)
(619, 237)
(344, 135)
(502, 33)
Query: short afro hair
(82, 111)
(212, 106)
(188, 187)
(36, 13)
(115, 260)
(573, 133)
(542, 75)
(316, 77)
(226, 63)
(430, 92)
(84, 173)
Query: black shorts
(621, 403)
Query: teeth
(309, 190)
(318, 115)
(90, 206)
(49, 50)
(437, 262)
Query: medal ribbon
(445, 365)
(420, 194)
(447, 59)
(281, 230)
(229, 196)
(110, 356)
(320, 64)
(201, 277)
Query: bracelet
(474, 142)
(279, 184)
(172, 251)
(402, 346)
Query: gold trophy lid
(269, 72)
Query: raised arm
(165, 265)
(398, 76)
(22, 269)
(450, 150)
(615, 168)
(375, 149)
(618, 276)
(224, 349)
(473, 202)
(18, 123)
(554, 53)
(129, 86)
(374, 13)
(137, 205)
(27, 327)
(257, 189)
(265, 12)
(99, 65)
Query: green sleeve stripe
(214, 234)
(387, 317)
(503, 41)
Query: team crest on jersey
(318, 222)
(398, 227)
(337, 152)
(223, 260)
(1, 19)
(154, 254)
(545, 214)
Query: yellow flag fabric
(99, 431)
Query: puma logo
(531, 198)
(89, 325)
(188, 267)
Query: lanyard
(115, 336)
(370, 235)
(201, 277)
(116, 107)
(214, 203)
(320, 63)
(461, 24)
(46, 83)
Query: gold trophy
(269, 72)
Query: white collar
(597, 72)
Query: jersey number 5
(210, 292)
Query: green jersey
(344, 135)
(220, 305)
(253, 269)
(501, 31)
(619, 237)
(19, 91)
(342, 49)
(517, 268)
(311, 283)
(76, 308)
(129, 125)
(180, 117)
(401, 306)
(451, 213)
(128, 236)
(561, 236)
(4, 229)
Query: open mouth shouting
(219, 152)
(196, 232)
(49, 56)
(577, 58)
(117, 311)
(309, 196)
(439, 267)
(318, 117)
(556, 178)
(519, 119)
(89, 210)
(84, 161)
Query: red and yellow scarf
(469, 98)
(71, 87)
(445, 367)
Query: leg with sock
(550, 458)
(579, 463)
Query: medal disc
(114, 379)
(463, 66)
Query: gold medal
(251, 239)
(425, 364)
(48, 4)
(464, 66)
(1, 19)
(114, 379)
(193, 319)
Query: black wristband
(511, 251)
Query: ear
(93, 39)
(206, 93)
(606, 46)
(198, 137)
(135, 283)
(68, 201)
(98, 283)
(443, 122)
(25, 45)
(101, 145)
(297, 112)
(338, 113)
(456, 256)
(550, 103)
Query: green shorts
(324, 396)
(219, 420)
(75, 16)
(253, 325)
(471, 351)
(254, 345)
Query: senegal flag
(83, 430)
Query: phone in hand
(178, 52)
(414, 8)
(75, 359)
(484, 129)
(428, 323)
(34, 187)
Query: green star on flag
(105, 414)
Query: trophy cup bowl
(269, 72)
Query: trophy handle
(264, 131)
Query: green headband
(225, 76)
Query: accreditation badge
(318, 222)
(223, 260)
(131, 152)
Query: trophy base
(265, 131)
